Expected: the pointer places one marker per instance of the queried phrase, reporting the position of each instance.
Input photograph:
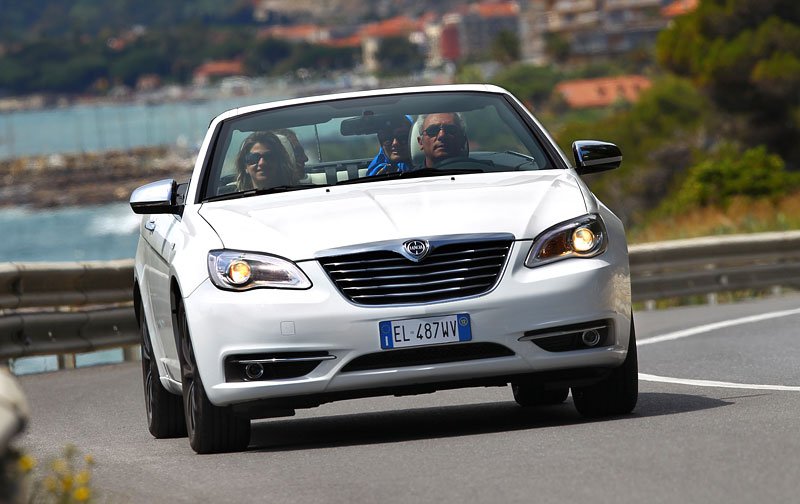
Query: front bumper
(320, 319)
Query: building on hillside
(483, 22)
(580, 30)
(310, 33)
(679, 8)
(215, 70)
(603, 91)
(373, 34)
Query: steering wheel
(465, 162)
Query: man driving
(442, 136)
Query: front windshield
(370, 139)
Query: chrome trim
(278, 360)
(595, 162)
(397, 245)
(561, 333)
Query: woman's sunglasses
(254, 157)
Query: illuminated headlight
(581, 237)
(234, 270)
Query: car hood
(299, 225)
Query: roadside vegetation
(64, 480)
(713, 146)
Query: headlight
(234, 270)
(581, 237)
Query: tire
(164, 409)
(616, 394)
(211, 429)
(530, 394)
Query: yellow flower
(50, 484)
(26, 463)
(66, 482)
(83, 477)
(81, 494)
(60, 466)
(89, 460)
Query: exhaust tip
(590, 338)
(254, 371)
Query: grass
(742, 215)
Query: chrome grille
(451, 270)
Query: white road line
(708, 328)
(716, 384)
(716, 325)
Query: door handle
(150, 225)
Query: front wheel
(211, 429)
(616, 394)
(164, 410)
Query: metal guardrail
(58, 308)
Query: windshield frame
(212, 165)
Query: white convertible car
(387, 242)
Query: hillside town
(408, 43)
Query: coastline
(89, 178)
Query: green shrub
(754, 173)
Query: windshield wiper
(257, 192)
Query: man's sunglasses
(254, 157)
(449, 129)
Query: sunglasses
(388, 136)
(449, 130)
(254, 157)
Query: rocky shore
(88, 178)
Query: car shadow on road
(401, 425)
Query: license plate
(425, 331)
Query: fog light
(590, 338)
(254, 371)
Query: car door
(160, 232)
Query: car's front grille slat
(450, 271)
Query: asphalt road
(717, 421)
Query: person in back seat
(394, 154)
(297, 154)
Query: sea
(102, 232)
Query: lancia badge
(416, 250)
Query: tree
(397, 56)
(505, 47)
(746, 55)
(532, 84)
(265, 55)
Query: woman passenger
(263, 163)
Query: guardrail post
(66, 361)
(131, 353)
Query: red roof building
(679, 8)
(602, 92)
(217, 69)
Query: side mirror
(156, 198)
(592, 156)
